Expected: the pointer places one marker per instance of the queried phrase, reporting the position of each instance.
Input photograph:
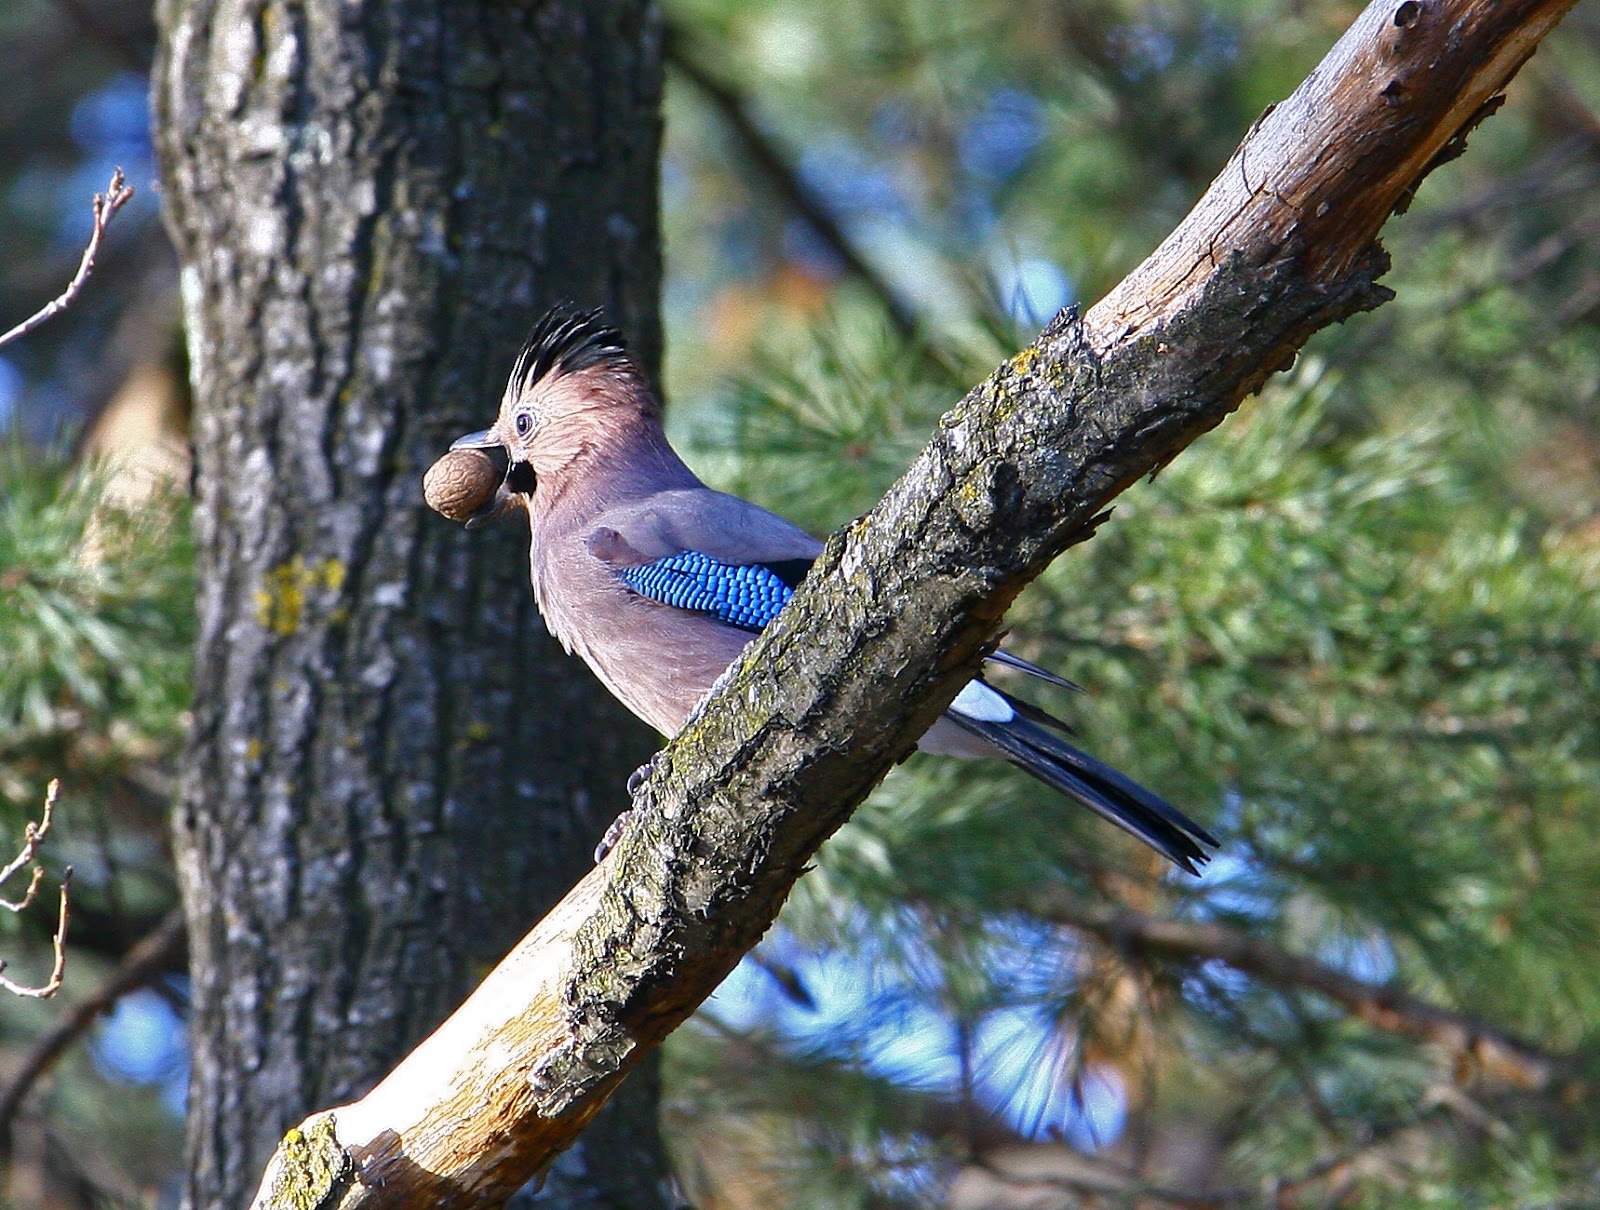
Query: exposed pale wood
(894, 616)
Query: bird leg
(636, 782)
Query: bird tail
(1029, 740)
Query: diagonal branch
(1009, 1174)
(770, 161)
(894, 616)
(1491, 1050)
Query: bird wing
(706, 552)
(743, 595)
(724, 527)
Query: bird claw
(642, 774)
(613, 834)
(636, 780)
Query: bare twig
(32, 836)
(151, 956)
(58, 943)
(26, 902)
(106, 206)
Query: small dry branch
(778, 168)
(152, 956)
(1474, 1046)
(105, 207)
(32, 837)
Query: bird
(659, 582)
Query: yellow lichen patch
(281, 599)
(1022, 364)
(308, 1168)
(288, 589)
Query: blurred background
(1356, 631)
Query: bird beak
(502, 502)
(518, 481)
(485, 440)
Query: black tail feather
(1037, 715)
(1009, 659)
(1096, 785)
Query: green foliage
(96, 626)
(812, 1135)
(96, 619)
(1356, 629)
(1344, 640)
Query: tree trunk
(392, 768)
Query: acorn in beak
(475, 481)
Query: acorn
(462, 484)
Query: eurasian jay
(658, 582)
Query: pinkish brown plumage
(658, 582)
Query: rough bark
(392, 769)
(894, 616)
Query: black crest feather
(566, 340)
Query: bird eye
(524, 423)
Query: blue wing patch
(747, 596)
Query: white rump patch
(981, 703)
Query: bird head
(572, 382)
